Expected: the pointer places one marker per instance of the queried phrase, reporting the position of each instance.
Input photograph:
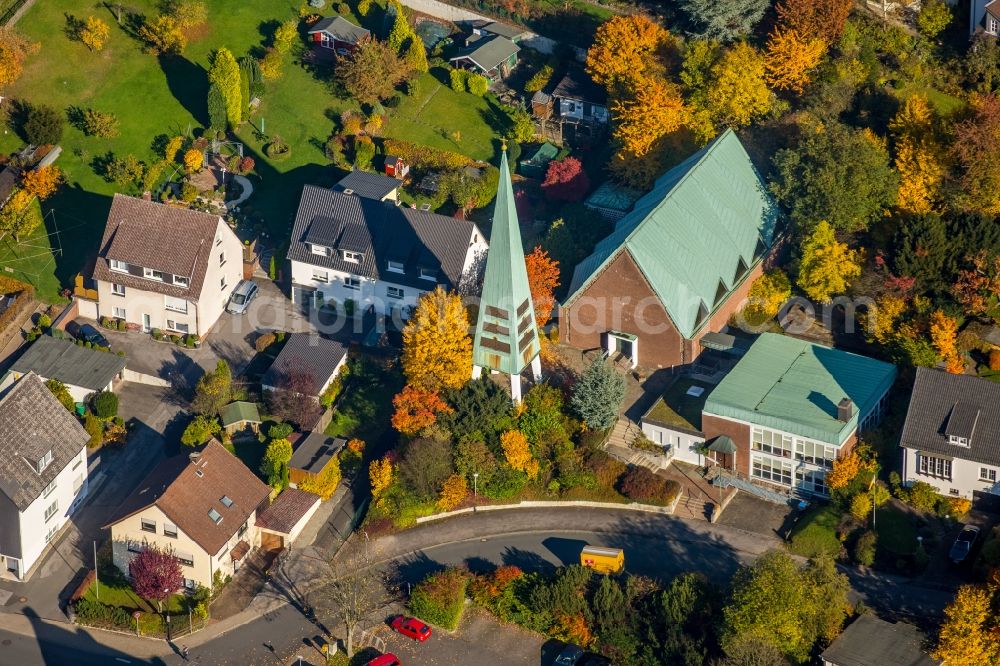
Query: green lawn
(166, 96)
(113, 589)
(31, 260)
(896, 531)
(942, 101)
(365, 406)
(816, 532)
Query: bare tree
(356, 589)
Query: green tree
(598, 395)
(835, 173)
(95, 428)
(274, 466)
(244, 94)
(371, 72)
(225, 74)
(401, 30)
(415, 55)
(105, 405)
(200, 430)
(253, 74)
(216, 108)
(425, 465)
(933, 18)
(61, 393)
(725, 21)
(213, 391)
(826, 266)
(43, 125)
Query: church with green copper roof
(506, 338)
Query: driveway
(113, 475)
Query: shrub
(861, 506)
(864, 549)
(440, 597)
(457, 79)
(995, 359)
(477, 84)
(44, 321)
(920, 495)
(280, 431)
(189, 193)
(98, 614)
(641, 485)
(94, 428)
(105, 405)
(364, 152)
(539, 80)
(264, 341)
(100, 124)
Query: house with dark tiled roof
(491, 55)
(951, 438)
(167, 268)
(337, 34)
(318, 359)
(360, 254)
(282, 522)
(202, 507)
(43, 473)
(83, 371)
(872, 641)
(369, 185)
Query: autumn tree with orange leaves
(791, 58)
(543, 280)
(42, 182)
(14, 50)
(977, 287)
(416, 409)
(815, 19)
(944, 333)
(976, 152)
(518, 453)
(453, 492)
(628, 49)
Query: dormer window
(181, 281)
(215, 516)
(43, 462)
(321, 250)
(396, 266)
(119, 266)
(150, 274)
(958, 441)
(428, 274)
(353, 257)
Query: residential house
(43, 472)
(83, 371)
(375, 255)
(984, 17)
(492, 56)
(167, 268)
(318, 359)
(312, 455)
(337, 35)
(487, 28)
(369, 185)
(951, 438)
(201, 507)
(678, 265)
(281, 523)
(789, 408)
(871, 641)
(578, 98)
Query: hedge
(641, 485)
(425, 157)
(440, 598)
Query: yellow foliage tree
(767, 294)
(453, 492)
(380, 473)
(738, 93)
(573, 628)
(42, 182)
(920, 175)
(518, 453)
(625, 50)
(193, 160)
(944, 334)
(325, 483)
(844, 470)
(827, 266)
(861, 506)
(964, 639)
(437, 351)
(95, 33)
(172, 148)
(656, 109)
(14, 50)
(915, 118)
(791, 59)
(881, 319)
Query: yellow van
(603, 560)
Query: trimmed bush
(864, 549)
(101, 615)
(264, 341)
(641, 485)
(477, 84)
(457, 79)
(440, 597)
(105, 405)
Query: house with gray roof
(369, 185)
(43, 473)
(951, 438)
(318, 359)
(984, 17)
(83, 371)
(166, 268)
(493, 56)
(872, 641)
(337, 34)
(361, 255)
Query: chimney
(845, 410)
(194, 456)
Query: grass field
(32, 260)
(816, 532)
(166, 96)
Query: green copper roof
(794, 386)
(235, 412)
(695, 236)
(506, 339)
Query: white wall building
(43, 473)
(83, 371)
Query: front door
(146, 323)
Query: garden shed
(534, 166)
(241, 416)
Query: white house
(951, 438)
(357, 253)
(83, 371)
(43, 472)
(674, 421)
(167, 268)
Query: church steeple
(506, 336)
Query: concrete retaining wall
(533, 504)
(143, 378)
(456, 14)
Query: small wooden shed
(239, 416)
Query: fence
(15, 11)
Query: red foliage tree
(293, 400)
(416, 408)
(977, 153)
(566, 180)
(543, 280)
(156, 574)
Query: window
(353, 257)
(51, 511)
(226, 501)
(428, 274)
(321, 250)
(181, 281)
(177, 326)
(987, 474)
(51, 533)
(352, 283)
(222, 258)
(186, 559)
(136, 546)
(118, 312)
(222, 283)
(175, 304)
(170, 530)
(79, 461)
(117, 289)
(77, 483)
(396, 266)
(994, 26)
(321, 276)
(815, 453)
(394, 292)
(934, 466)
(49, 488)
(44, 461)
(772, 442)
(775, 471)
(812, 481)
(150, 274)
(958, 441)
(190, 583)
(242, 530)
(119, 266)
(147, 525)
(215, 516)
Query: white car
(240, 299)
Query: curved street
(534, 539)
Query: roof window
(226, 501)
(215, 516)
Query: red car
(411, 627)
(385, 660)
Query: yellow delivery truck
(603, 560)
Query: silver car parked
(241, 297)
